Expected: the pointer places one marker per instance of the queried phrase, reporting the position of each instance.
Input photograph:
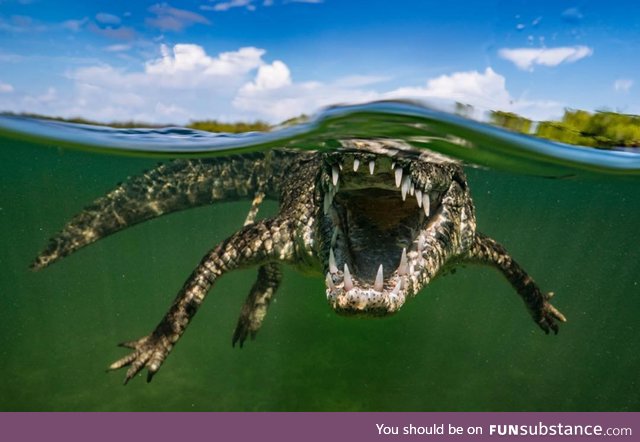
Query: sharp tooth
(426, 205)
(372, 165)
(333, 268)
(329, 280)
(398, 176)
(403, 268)
(405, 187)
(419, 197)
(356, 164)
(340, 165)
(335, 173)
(420, 245)
(348, 283)
(393, 165)
(328, 199)
(412, 188)
(396, 289)
(334, 237)
(377, 285)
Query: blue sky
(274, 59)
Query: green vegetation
(303, 118)
(78, 120)
(464, 110)
(238, 127)
(206, 125)
(602, 129)
(511, 121)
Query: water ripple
(473, 142)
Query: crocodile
(376, 218)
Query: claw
(148, 352)
(132, 344)
(556, 313)
(549, 315)
(123, 362)
(544, 325)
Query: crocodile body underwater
(377, 219)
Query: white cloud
(118, 48)
(49, 96)
(192, 59)
(47, 102)
(572, 15)
(74, 25)
(108, 19)
(183, 83)
(622, 85)
(168, 18)
(250, 5)
(117, 33)
(484, 90)
(5, 88)
(185, 66)
(21, 24)
(526, 58)
(270, 76)
(273, 95)
(225, 6)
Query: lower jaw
(364, 314)
(376, 305)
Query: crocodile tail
(170, 187)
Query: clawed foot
(548, 316)
(248, 325)
(149, 352)
(253, 312)
(241, 333)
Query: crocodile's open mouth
(379, 211)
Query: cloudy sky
(275, 59)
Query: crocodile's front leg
(259, 243)
(255, 307)
(485, 250)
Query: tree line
(601, 129)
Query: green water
(465, 343)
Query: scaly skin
(380, 220)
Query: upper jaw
(356, 291)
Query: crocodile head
(391, 217)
